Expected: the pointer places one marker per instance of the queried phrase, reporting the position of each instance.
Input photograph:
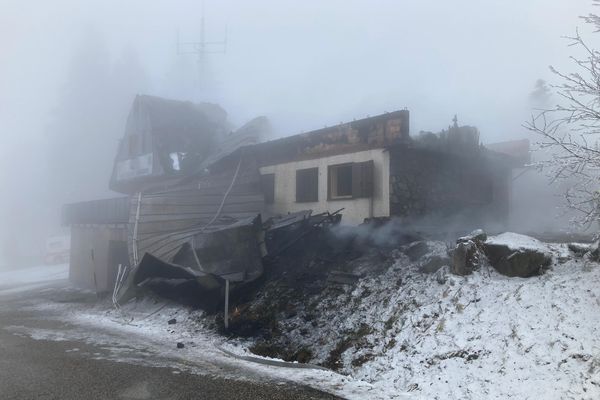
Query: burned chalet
(373, 168)
(203, 203)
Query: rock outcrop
(512, 254)
(468, 255)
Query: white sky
(306, 63)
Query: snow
(140, 334)
(19, 280)
(479, 336)
(489, 336)
(517, 241)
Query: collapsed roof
(169, 139)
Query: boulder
(478, 236)
(580, 249)
(595, 252)
(466, 258)
(512, 254)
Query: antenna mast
(201, 49)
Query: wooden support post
(226, 315)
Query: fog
(70, 70)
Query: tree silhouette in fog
(90, 118)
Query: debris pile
(397, 325)
(392, 312)
(196, 272)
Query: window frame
(332, 179)
(363, 180)
(305, 194)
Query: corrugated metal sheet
(169, 219)
(249, 134)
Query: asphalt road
(41, 369)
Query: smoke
(538, 202)
(394, 232)
(69, 73)
(389, 233)
(540, 206)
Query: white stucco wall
(355, 210)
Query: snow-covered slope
(489, 336)
(398, 330)
(450, 337)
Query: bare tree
(569, 131)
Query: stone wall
(471, 190)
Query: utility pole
(201, 49)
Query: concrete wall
(355, 210)
(91, 255)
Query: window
(307, 185)
(268, 187)
(350, 181)
(340, 181)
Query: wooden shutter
(268, 186)
(307, 185)
(362, 179)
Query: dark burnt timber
(223, 253)
(232, 252)
(283, 232)
(369, 133)
(175, 282)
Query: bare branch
(570, 130)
